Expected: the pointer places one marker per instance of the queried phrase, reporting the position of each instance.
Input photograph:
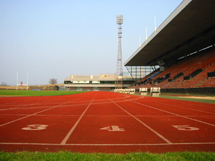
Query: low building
(95, 82)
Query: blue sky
(57, 38)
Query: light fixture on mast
(119, 71)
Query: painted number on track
(35, 127)
(185, 127)
(112, 128)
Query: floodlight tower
(119, 71)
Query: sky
(58, 38)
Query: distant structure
(102, 82)
(119, 71)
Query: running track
(105, 122)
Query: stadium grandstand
(102, 82)
(180, 55)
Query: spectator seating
(191, 72)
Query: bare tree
(53, 81)
(3, 84)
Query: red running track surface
(105, 122)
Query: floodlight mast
(119, 70)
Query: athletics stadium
(178, 59)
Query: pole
(146, 35)
(119, 70)
(155, 25)
(17, 79)
(140, 40)
(27, 80)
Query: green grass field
(36, 93)
(65, 156)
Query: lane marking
(32, 114)
(185, 108)
(146, 116)
(176, 114)
(78, 103)
(21, 105)
(155, 132)
(112, 128)
(26, 108)
(155, 144)
(35, 127)
(185, 127)
(76, 124)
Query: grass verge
(185, 97)
(65, 156)
(189, 99)
(36, 93)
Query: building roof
(190, 27)
(101, 77)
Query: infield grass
(205, 100)
(36, 93)
(65, 156)
(185, 97)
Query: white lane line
(21, 106)
(185, 108)
(176, 114)
(76, 124)
(150, 144)
(155, 132)
(31, 115)
(146, 116)
(27, 108)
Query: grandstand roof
(188, 28)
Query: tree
(53, 81)
(3, 84)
